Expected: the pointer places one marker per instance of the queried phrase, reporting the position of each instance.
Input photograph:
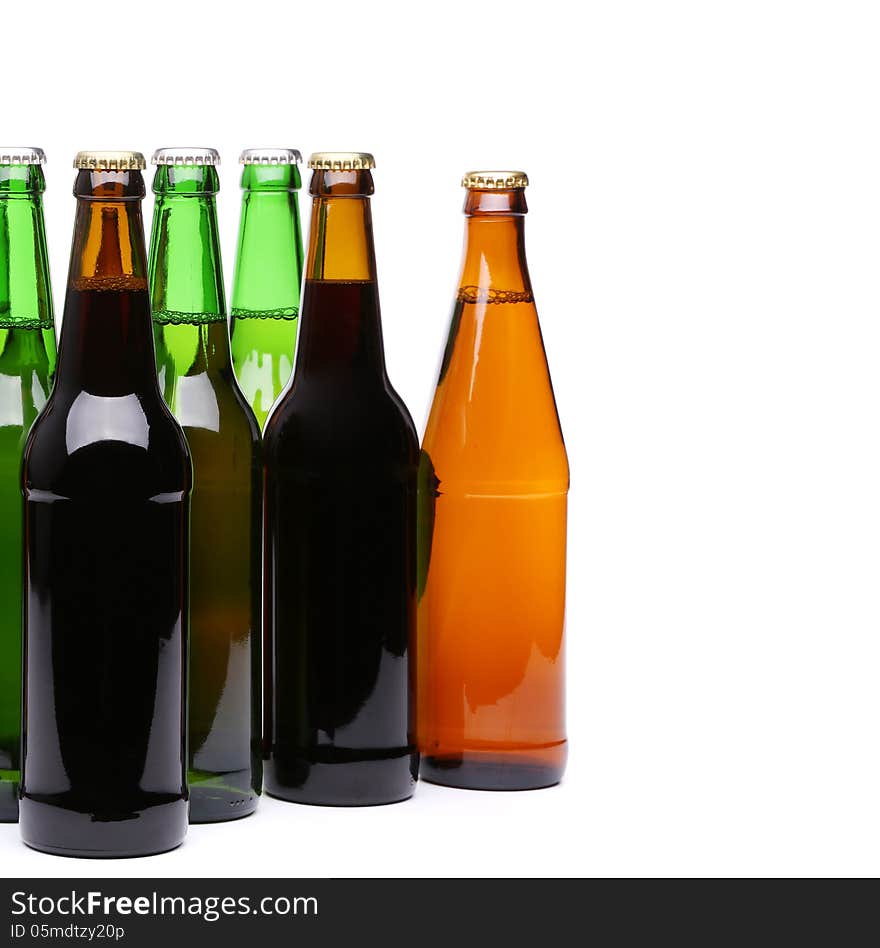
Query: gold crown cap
(186, 156)
(110, 161)
(492, 180)
(21, 155)
(270, 156)
(341, 161)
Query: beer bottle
(27, 367)
(196, 378)
(268, 268)
(341, 466)
(493, 481)
(106, 480)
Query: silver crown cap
(186, 156)
(21, 155)
(270, 156)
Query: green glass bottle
(268, 269)
(197, 380)
(27, 369)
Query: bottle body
(106, 480)
(224, 762)
(27, 368)
(493, 490)
(266, 283)
(341, 469)
(197, 382)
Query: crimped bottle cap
(21, 155)
(270, 156)
(341, 161)
(110, 161)
(186, 156)
(492, 180)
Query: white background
(704, 239)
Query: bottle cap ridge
(270, 156)
(21, 155)
(341, 161)
(186, 156)
(109, 161)
(494, 180)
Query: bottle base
(97, 854)
(219, 798)
(483, 771)
(62, 831)
(8, 796)
(341, 777)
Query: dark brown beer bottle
(106, 482)
(341, 460)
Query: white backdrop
(704, 236)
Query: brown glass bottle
(341, 459)
(106, 482)
(493, 484)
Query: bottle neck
(268, 265)
(341, 331)
(106, 335)
(494, 265)
(186, 276)
(25, 290)
(341, 231)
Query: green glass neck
(186, 276)
(268, 264)
(25, 290)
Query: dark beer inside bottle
(106, 484)
(341, 456)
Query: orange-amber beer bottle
(493, 485)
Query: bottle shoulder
(211, 402)
(84, 443)
(339, 421)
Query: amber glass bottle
(341, 457)
(493, 483)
